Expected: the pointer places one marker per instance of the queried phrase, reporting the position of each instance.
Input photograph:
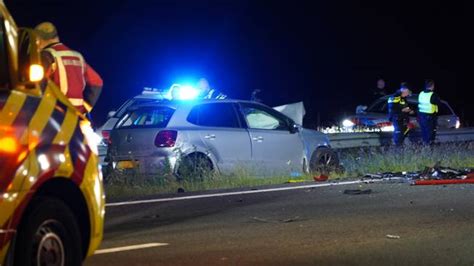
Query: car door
(446, 116)
(275, 148)
(222, 132)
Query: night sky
(327, 53)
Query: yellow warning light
(36, 72)
(8, 145)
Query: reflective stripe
(219, 96)
(62, 70)
(424, 103)
(87, 106)
(12, 108)
(76, 101)
(58, 57)
(394, 99)
(41, 117)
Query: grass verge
(356, 162)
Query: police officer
(381, 89)
(68, 69)
(208, 93)
(428, 102)
(399, 112)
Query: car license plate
(126, 164)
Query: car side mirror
(30, 69)
(360, 109)
(111, 114)
(294, 128)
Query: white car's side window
(260, 119)
(257, 119)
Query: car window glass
(130, 103)
(214, 115)
(443, 109)
(258, 118)
(147, 117)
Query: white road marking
(135, 202)
(128, 248)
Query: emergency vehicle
(51, 192)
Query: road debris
(321, 178)
(291, 181)
(436, 175)
(276, 221)
(392, 237)
(357, 191)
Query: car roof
(175, 103)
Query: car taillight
(106, 136)
(166, 138)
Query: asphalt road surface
(396, 224)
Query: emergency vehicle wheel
(324, 160)
(48, 235)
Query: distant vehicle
(376, 116)
(219, 135)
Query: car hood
(310, 135)
(295, 111)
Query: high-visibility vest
(68, 73)
(396, 99)
(424, 103)
(215, 95)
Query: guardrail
(373, 139)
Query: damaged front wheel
(324, 160)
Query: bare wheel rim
(325, 160)
(50, 247)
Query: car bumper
(146, 164)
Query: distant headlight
(347, 123)
(387, 129)
(458, 124)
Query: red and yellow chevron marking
(49, 157)
(12, 108)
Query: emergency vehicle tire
(324, 160)
(48, 235)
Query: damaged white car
(222, 136)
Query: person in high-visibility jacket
(428, 102)
(399, 112)
(208, 93)
(67, 68)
